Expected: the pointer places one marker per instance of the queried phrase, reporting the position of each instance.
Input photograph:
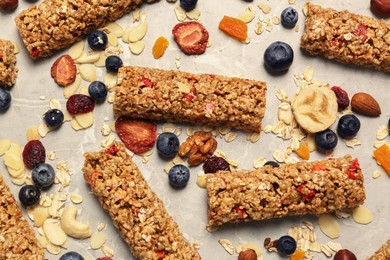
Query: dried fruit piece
(138, 135)
(365, 104)
(297, 255)
(234, 28)
(64, 70)
(382, 157)
(159, 47)
(303, 151)
(214, 164)
(342, 97)
(191, 37)
(79, 103)
(34, 153)
(380, 7)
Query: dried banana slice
(315, 108)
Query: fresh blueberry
(113, 63)
(43, 175)
(289, 17)
(326, 140)
(188, 5)
(278, 56)
(272, 163)
(54, 117)
(5, 99)
(167, 145)
(29, 195)
(97, 40)
(348, 126)
(71, 256)
(97, 90)
(286, 245)
(178, 176)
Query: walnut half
(198, 147)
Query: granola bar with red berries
(289, 190)
(382, 253)
(137, 212)
(347, 37)
(17, 238)
(177, 96)
(8, 70)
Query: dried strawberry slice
(33, 154)
(138, 135)
(79, 104)
(64, 70)
(191, 37)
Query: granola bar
(177, 96)
(289, 190)
(8, 70)
(57, 24)
(383, 253)
(137, 212)
(17, 238)
(347, 37)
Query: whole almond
(365, 104)
(247, 254)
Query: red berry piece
(137, 135)
(79, 104)
(34, 153)
(191, 37)
(342, 97)
(214, 164)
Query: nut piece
(198, 147)
(72, 227)
(365, 104)
(248, 254)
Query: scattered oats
(106, 130)
(362, 215)
(343, 213)
(196, 245)
(180, 13)
(107, 251)
(207, 128)
(254, 137)
(53, 249)
(308, 74)
(54, 103)
(304, 9)
(220, 153)
(247, 15)
(291, 160)
(315, 247)
(177, 64)
(259, 28)
(279, 155)
(224, 130)
(233, 163)
(112, 50)
(326, 250)
(376, 174)
(107, 141)
(277, 128)
(136, 15)
(247, 40)
(264, 7)
(42, 97)
(267, 129)
(76, 198)
(382, 132)
(285, 114)
(43, 129)
(145, 159)
(227, 245)
(259, 162)
(101, 226)
(295, 232)
(178, 131)
(269, 27)
(308, 225)
(334, 246)
(194, 14)
(296, 29)
(168, 166)
(231, 136)
(329, 225)
(276, 20)
(352, 142)
(51, 155)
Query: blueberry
(286, 245)
(97, 90)
(71, 256)
(178, 176)
(113, 63)
(167, 145)
(54, 117)
(348, 126)
(29, 195)
(188, 5)
(326, 140)
(43, 175)
(97, 40)
(5, 99)
(289, 17)
(278, 56)
(272, 163)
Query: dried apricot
(159, 47)
(234, 27)
(382, 157)
(297, 255)
(303, 151)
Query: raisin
(214, 164)
(79, 104)
(342, 97)
(34, 153)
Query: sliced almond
(43, 129)
(98, 240)
(55, 204)
(72, 88)
(53, 249)
(110, 79)
(42, 241)
(89, 58)
(194, 14)
(76, 198)
(13, 160)
(40, 214)
(125, 37)
(85, 120)
(84, 90)
(201, 181)
(20, 180)
(5, 144)
(76, 50)
(362, 215)
(112, 39)
(67, 116)
(115, 28)
(329, 225)
(101, 62)
(136, 47)
(138, 32)
(180, 13)
(16, 173)
(248, 15)
(54, 232)
(88, 72)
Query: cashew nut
(72, 227)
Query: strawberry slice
(138, 135)
(64, 70)
(191, 37)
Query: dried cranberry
(342, 97)
(34, 153)
(79, 104)
(214, 164)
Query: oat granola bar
(57, 24)
(383, 253)
(136, 211)
(17, 238)
(8, 70)
(347, 37)
(177, 96)
(289, 190)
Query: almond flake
(72, 88)
(110, 80)
(76, 198)
(168, 166)
(279, 156)
(334, 246)
(138, 32)
(101, 62)
(362, 215)
(87, 72)
(5, 144)
(326, 250)
(107, 251)
(343, 213)
(264, 7)
(220, 153)
(194, 14)
(85, 120)
(180, 13)
(352, 142)
(107, 141)
(115, 28)
(54, 232)
(137, 47)
(329, 226)
(88, 58)
(308, 74)
(227, 245)
(54, 103)
(291, 2)
(53, 249)
(43, 129)
(382, 132)
(248, 15)
(75, 125)
(76, 50)
(16, 47)
(97, 240)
